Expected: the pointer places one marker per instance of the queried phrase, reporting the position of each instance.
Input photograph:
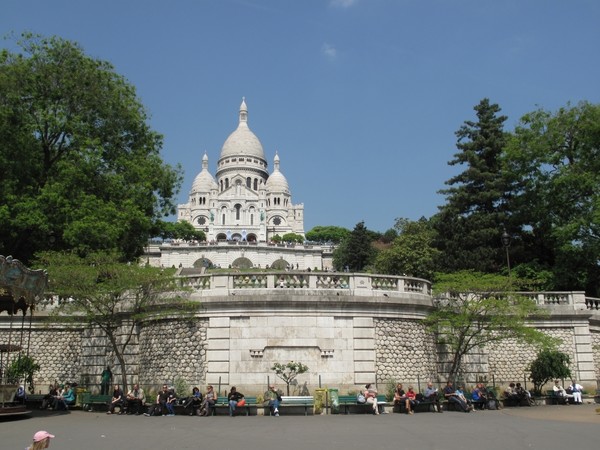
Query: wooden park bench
(348, 404)
(89, 401)
(293, 404)
(422, 406)
(249, 409)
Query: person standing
(105, 380)
(41, 440)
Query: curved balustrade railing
(306, 280)
(592, 303)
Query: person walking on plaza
(105, 381)
(41, 440)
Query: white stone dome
(242, 142)
(277, 183)
(204, 181)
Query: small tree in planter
(23, 368)
(288, 372)
(548, 365)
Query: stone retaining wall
(405, 351)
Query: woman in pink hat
(41, 440)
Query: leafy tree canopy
(293, 237)
(474, 309)
(179, 230)
(412, 252)
(556, 155)
(81, 166)
(331, 234)
(288, 372)
(99, 290)
(356, 251)
(548, 365)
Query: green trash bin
(334, 401)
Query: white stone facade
(244, 202)
(349, 329)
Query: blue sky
(360, 98)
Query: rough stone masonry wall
(171, 350)
(405, 351)
(509, 360)
(596, 353)
(57, 351)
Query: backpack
(492, 404)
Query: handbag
(242, 402)
(360, 398)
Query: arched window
(256, 184)
(251, 219)
(238, 208)
(249, 183)
(226, 183)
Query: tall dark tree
(81, 168)
(469, 225)
(356, 251)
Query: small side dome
(204, 181)
(277, 183)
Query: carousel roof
(19, 282)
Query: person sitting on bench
(117, 400)
(135, 400)
(452, 397)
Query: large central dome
(242, 142)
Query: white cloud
(329, 51)
(343, 3)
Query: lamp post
(506, 238)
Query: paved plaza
(540, 427)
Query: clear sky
(360, 98)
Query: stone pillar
(364, 350)
(218, 353)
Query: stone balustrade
(352, 283)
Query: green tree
(324, 234)
(548, 365)
(293, 237)
(469, 225)
(412, 252)
(179, 230)
(356, 251)
(475, 309)
(23, 368)
(288, 372)
(81, 166)
(112, 296)
(557, 203)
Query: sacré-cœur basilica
(348, 328)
